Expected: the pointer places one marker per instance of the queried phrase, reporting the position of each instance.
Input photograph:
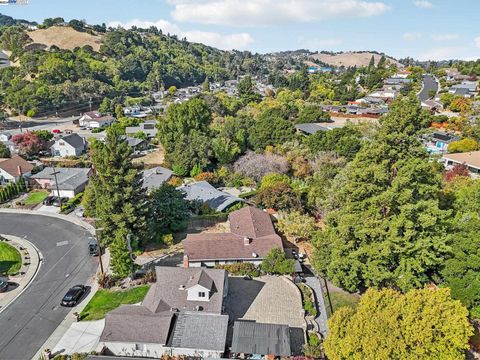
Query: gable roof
(68, 178)
(74, 140)
(170, 290)
(263, 339)
(248, 222)
(471, 158)
(155, 177)
(133, 323)
(201, 278)
(195, 330)
(310, 128)
(206, 193)
(11, 165)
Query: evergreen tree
(120, 200)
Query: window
(201, 294)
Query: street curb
(39, 264)
(78, 222)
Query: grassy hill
(350, 59)
(64, 37)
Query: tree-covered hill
(6, 20)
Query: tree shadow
(6, 266)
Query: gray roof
(461, 91)
(206, 193)
(155, 177)
(68, 178)
(310, 128)
(196, 330)
(170, 290)
(133, 141)
(75, 140)
(263, 339)
(134, 324)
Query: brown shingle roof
(133, 323)
(248, 222)
(11, 165)
(471, 158)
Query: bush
(308, 304)
(105, 281)
(175, 181)
(207, 176)
(241, 269)
(167, 239)
(276, 263)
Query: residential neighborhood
(239, 180)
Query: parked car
(56, 131)
(48, 201)
(73, 295)
(3, 286)
(56, 202)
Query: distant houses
(250, 239)
(95, 120)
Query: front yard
(106, 300)
(35, 197)
(10, 259)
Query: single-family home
(69, 145)
(204, 192)
(470, 159)
(71, 181)
(181, 315)
(250, 239)
(148, 127)
(310, 128)
(12, 168)
(155, 177)
(136, 144)
(438, 142)
(95, 120)
(252, 340)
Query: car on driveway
(73, 296)
(56, 202)
(3, 286)
(49, 200)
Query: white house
(69, 145)
(71, 181)
(94, 119)
(12, 168)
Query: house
(438, 142)
(95, 120)
(256, 340)
(71, 181)
(310, 128)
(250, 239)
(204, 192)
(155, 177)
(69, 145)
(460, 91)
(12, 168)
(181, 315)
(469, 159)
(148, 127)
(136, 144)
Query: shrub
(175, 181)
(241, 269)
(276, 263)
(207, 176)
(167, 239)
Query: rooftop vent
(199, 308)
(181, 287)
(254, 255)
(246, 240)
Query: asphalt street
(429, 83)
(28, 322)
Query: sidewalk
(30, 271)
(321, 319)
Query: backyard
(106, 300)
(341, 298)
(10, 259)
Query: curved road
(28, 322)
(429, 84)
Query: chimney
(19, 169)
(186, 262)
(246, 240)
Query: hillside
(6, 20)
(349, 59)
(64, 37)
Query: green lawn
(340, 299)
(35, 197)
(105, 300)
(10, 259)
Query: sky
(422, 29)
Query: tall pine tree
(120, 203)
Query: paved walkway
(30, 271)
(321, 319)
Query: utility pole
(56, 183)
(90, 103)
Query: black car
(56, 202)
(3, 286)
(73, 295)
(49, 200)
